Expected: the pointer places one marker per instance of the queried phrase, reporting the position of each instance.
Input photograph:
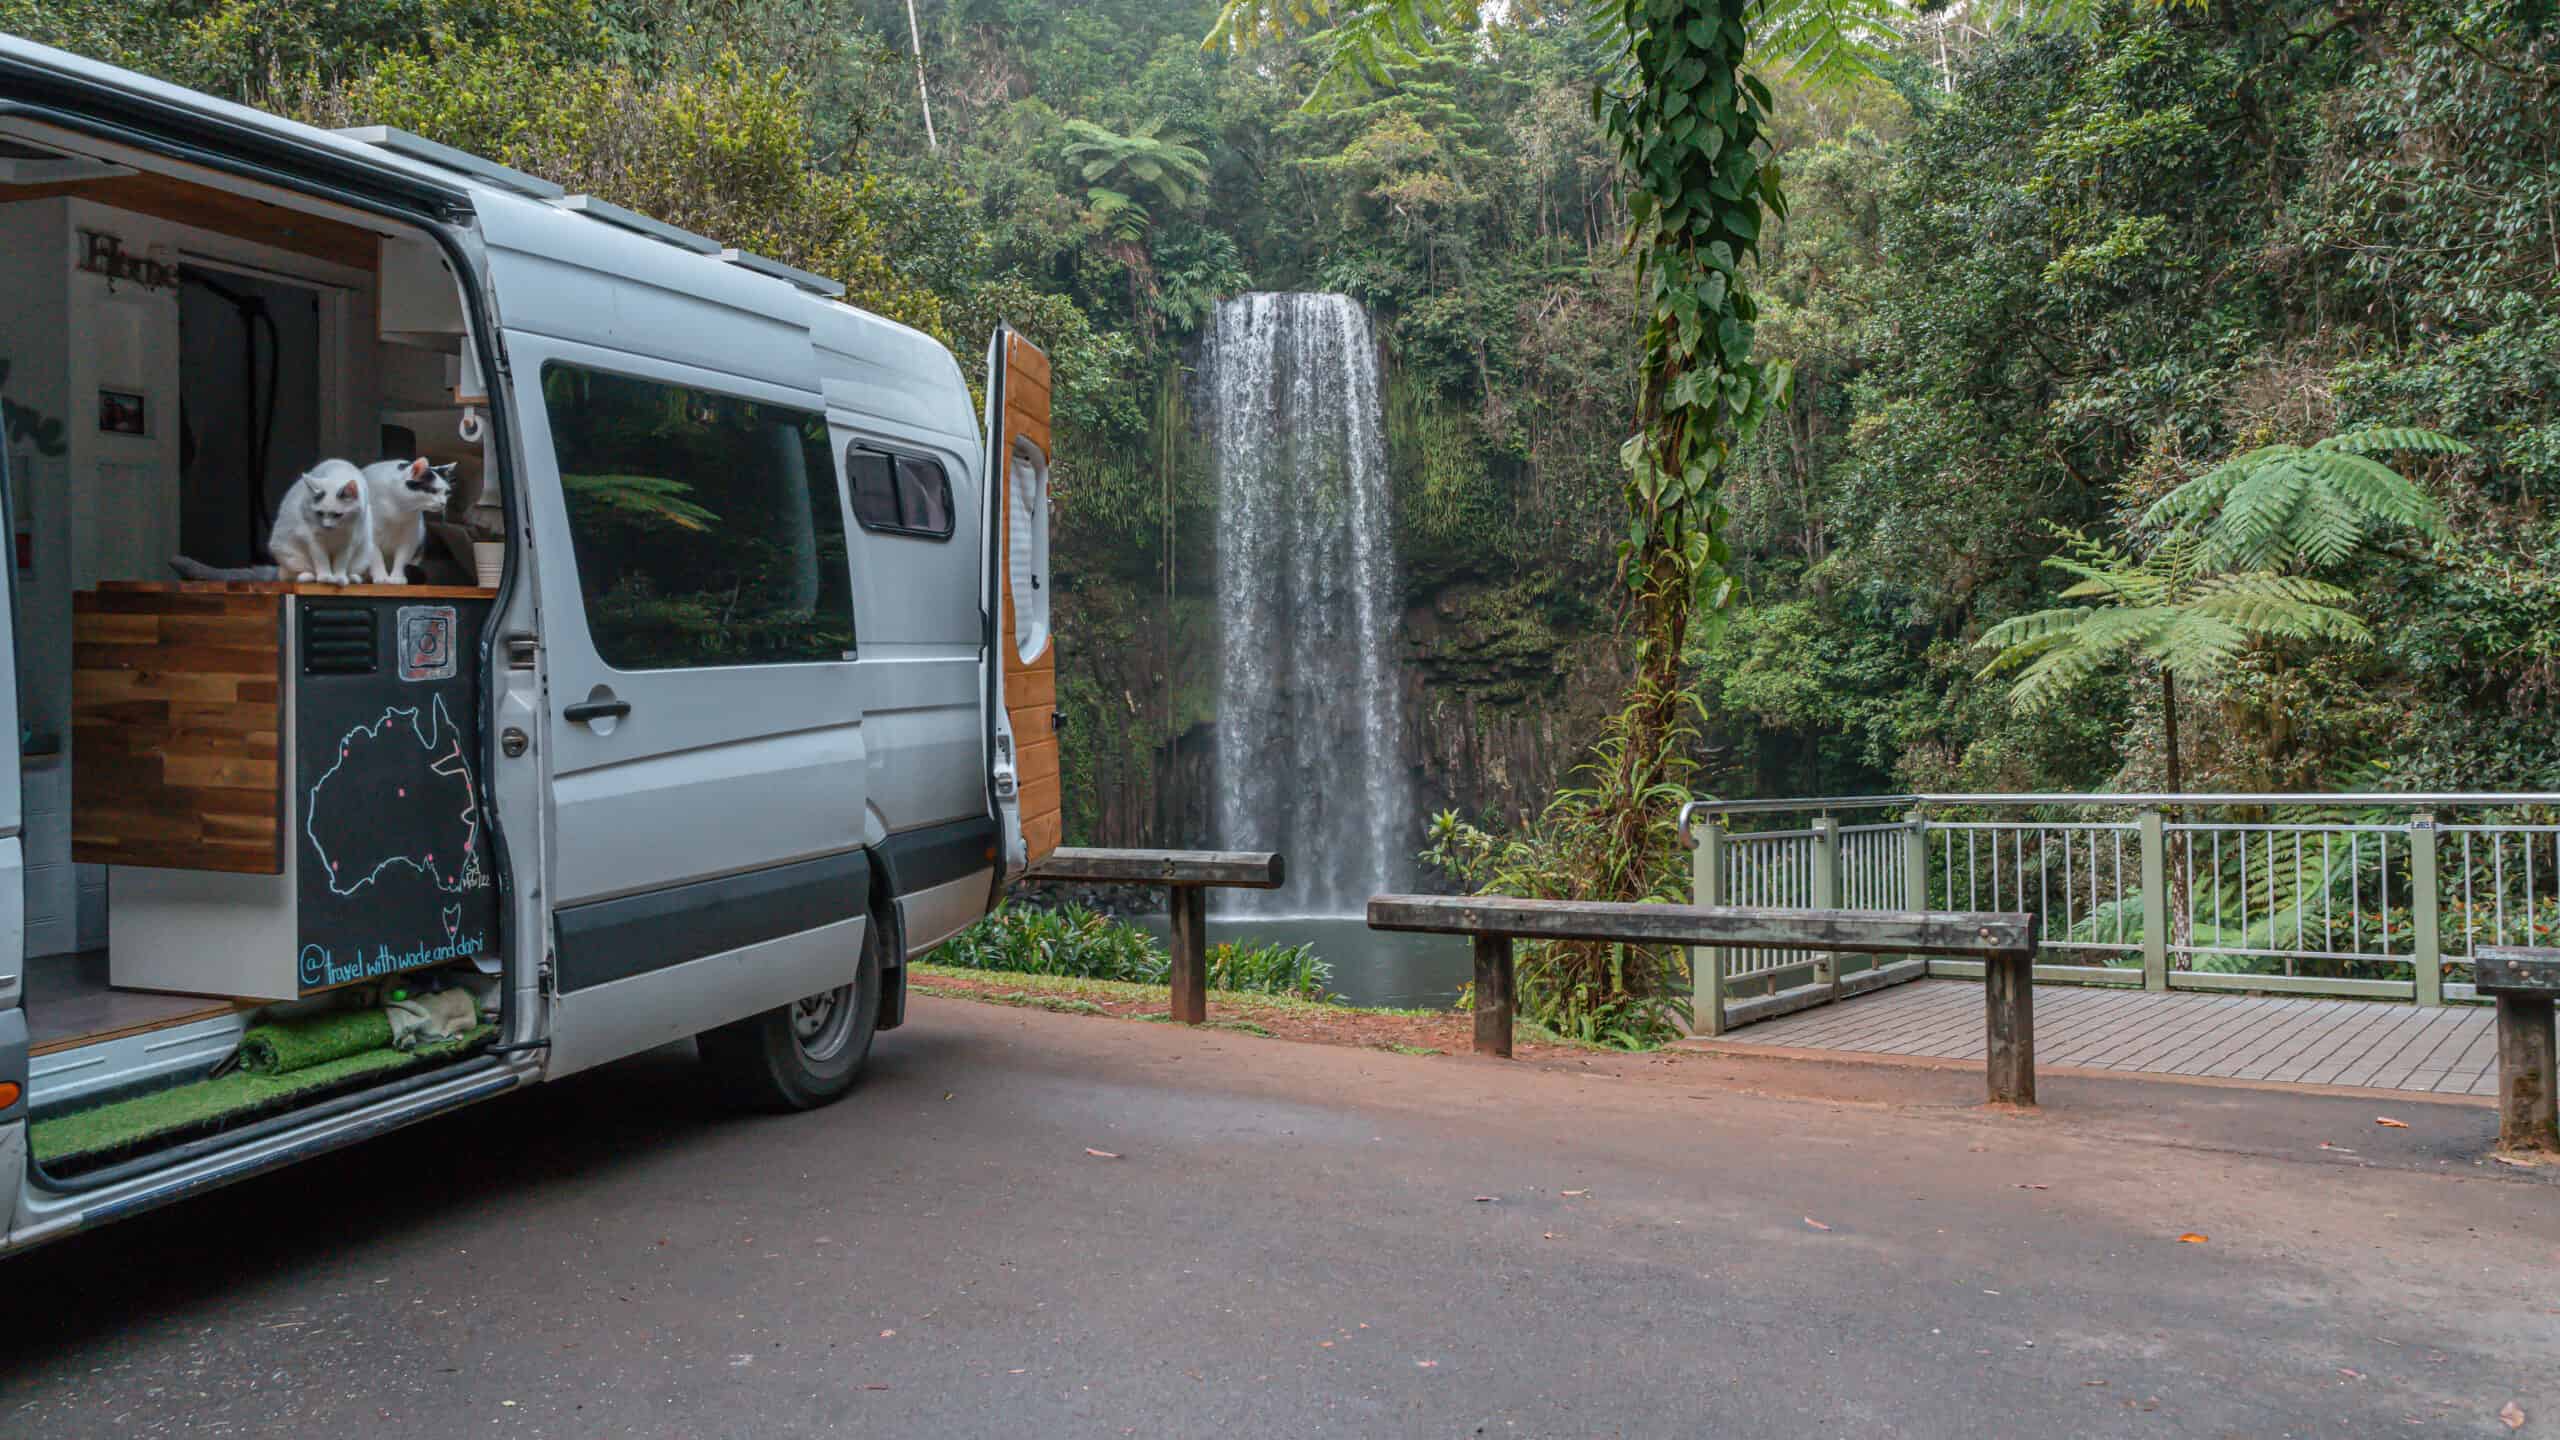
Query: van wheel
(805, 1054)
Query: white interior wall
(107, 507)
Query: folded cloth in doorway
(441, 1015)
(284, 1046)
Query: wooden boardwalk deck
(2449, 1050)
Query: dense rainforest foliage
(2028, 284)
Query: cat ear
(349, 492)
(418, 469)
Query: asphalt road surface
(1288, 1240)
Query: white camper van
(721, 688)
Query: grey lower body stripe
(611, 940)
(917, 860)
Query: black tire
(784, 1060)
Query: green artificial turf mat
(208, 1104)
(287, 1046)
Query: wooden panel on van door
(1030, 689)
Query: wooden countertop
(288, 587)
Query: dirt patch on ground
(1406, 1032)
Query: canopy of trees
(2029, 285)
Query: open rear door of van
(1022, 674)
(13, 898)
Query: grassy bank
(1283, 1017)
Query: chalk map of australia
(408, 769)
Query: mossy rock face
(1506, 645)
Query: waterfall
(1309, 732)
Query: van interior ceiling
(257, 871)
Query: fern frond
(2382, 439)
(1825, 44)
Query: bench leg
(1190, 906)
(2528, 1119)
(1493, 995)
(2008, 998)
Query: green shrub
(1077, 942)
(1069, 941)
(1270, 970)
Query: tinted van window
(900, 494)
(707, 527)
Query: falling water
(1308, 729)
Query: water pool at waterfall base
(1378, 969)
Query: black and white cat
(324, 529)
(400, 494)
(394, 497)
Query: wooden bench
(2525, 982)
(1185, 874)
(2005, 942)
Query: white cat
(400, 493)
(323, 530)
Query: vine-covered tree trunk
(1688, 125)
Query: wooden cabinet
(285, 781)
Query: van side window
(899, 494)
(707, 527)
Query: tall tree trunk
(2169, 727)
(2181, 916)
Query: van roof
(385, 158)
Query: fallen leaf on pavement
(886, 1334)
(1424, 1364)
(2350, 1374)
(2035, 1187)
(2387, 1120)
(1575, 1194)
(875, 1387)
(1484, 1199)
(2341, 1149)
(2511, 1160)
(2093, 1382)
(2511, 1416)
(1816, 1224)
(1100, 1154)
(2192, 1238)
(1550, 1235)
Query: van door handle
(588, 710)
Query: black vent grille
(338, 640)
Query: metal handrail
(1825, 804)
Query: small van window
(899, 494)
(707, 527)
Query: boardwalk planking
(2285, 1038)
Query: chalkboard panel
(392, 848)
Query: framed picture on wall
(122, 412)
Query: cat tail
(198, 570)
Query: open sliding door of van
(1023, 673)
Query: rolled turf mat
(290, 1045)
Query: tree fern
(2169, 608)
(2307, 506)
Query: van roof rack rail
(815, 284)
(445, 157)
(639, 224)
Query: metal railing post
(1915, 860)
(2426, 946)
(2155, 898)
(1706, 966)
(1826, 891)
